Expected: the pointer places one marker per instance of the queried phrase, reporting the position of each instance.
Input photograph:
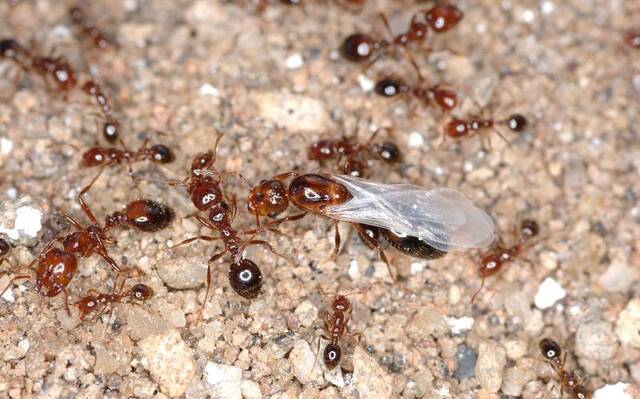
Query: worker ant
(110, 127)
(97, 300)
(444, 98)
(418, 222)
(57, 266)
(493, 261)
(570, 381)
(357, 155)
(442, 17)
(89, 29)
(101, 156)
(55, 69)
(203, 186)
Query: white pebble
(28, 220)
(618, 391)
(294, 61)
(208, 90)
(418, 267)
(528, 16)
(459, 325)
(547, 7)
(6, 145)
(549, 293)
(415, 139)
(365, 83)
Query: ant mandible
(442, 17)
(570, 381)
(493, 261)
(95, 300)
(56, 267)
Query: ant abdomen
(387, 151)
(161, 154)
(516, 123)
(443, 17)
(55, 271)
(550, 349)
(358, 47)
(148, 215)
(390, 87)
(245, 278)
(412, 246)
(141, 292)
(332, 355)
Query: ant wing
(444, 218)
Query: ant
(444, 98)
(56, 267)
(57, 69)
(570, 381)
(442, 17)
(459, 128)
(412, 218)
(5, 248)
(95, 300)
(335, 327)
(111, 127)
(203, 186)
(357, 155)
(493, 261)
(89, 29)
(101, 156)
(632, 38)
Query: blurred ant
(444, 98)
(501, 254)
(101, 156)
(56, 267)
(96, 300)
(570, 381)
(357, 155)
(261, 5)
(5, 248)
(89, 29)
(632, 38)
(203, 186)
(442, 17)
(411, 218)
(459, 128)
(49, 68)
(110, 127)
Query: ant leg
(354, 334)
(263, 243)
(473, 298)
(103, 253)
(286, 219)
(336, 240)
(214, 258)
(66, 301)
(374, 244)
(205, 222)
(234, 206)
(84, 205)
(215, 148)
(190, 240)
(13, 279)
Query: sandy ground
(273, 83)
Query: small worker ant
(335, 327)
(570, 381)
(459, 128)
(493, 261)
(100, 156)
(95, 300)
(56, 69)
(357, 155)
(110, 127)
(417, 221)
(56, 267)
(444, 98)
(442, 17)
(203, 186)
(89, 29)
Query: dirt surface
(274, 82)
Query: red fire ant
(493, 261)
(56, 69)
(206, 194)
(357, 155)
(56, 266)
(442, 17)
(111, 127)
(415, 220)
(99, 156)
(444, 98)
(570, 381)
(89, 29)
(632, 38)
(95, 300)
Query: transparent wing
(444, 218)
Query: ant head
(64, 75)
(160, 153)
(245, 278)
(529, 228)
(87, 305)
(580, 392)
(357, 47)
(354, 167)
(332, 355)
(443, 17)
(322, 150)
(389, 87)
(550, 349)
(202, 162)
(456, 128)
(491, 263)
(340, 303)
(269, 198)
(517, 123)
(141, 292)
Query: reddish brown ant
(56, 267)
(442, 17)
(632, 38)
(97, 300)
(571, 381)
(493, 261)
(357, 155)
(406, 215)
(89, 29)
(335, 327)
(459, 128)
(111, 127)
(444, 98)
(100, 156)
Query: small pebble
(611, 391)
(307, 313)
(225, 380)
(466, 358)
(306, 367)
(370, 380)
(628, 324)
(596, 340)
(294, 61)
(548, 293)
(250, 389)
(183, 272)
(491, 361)
(21, 220)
